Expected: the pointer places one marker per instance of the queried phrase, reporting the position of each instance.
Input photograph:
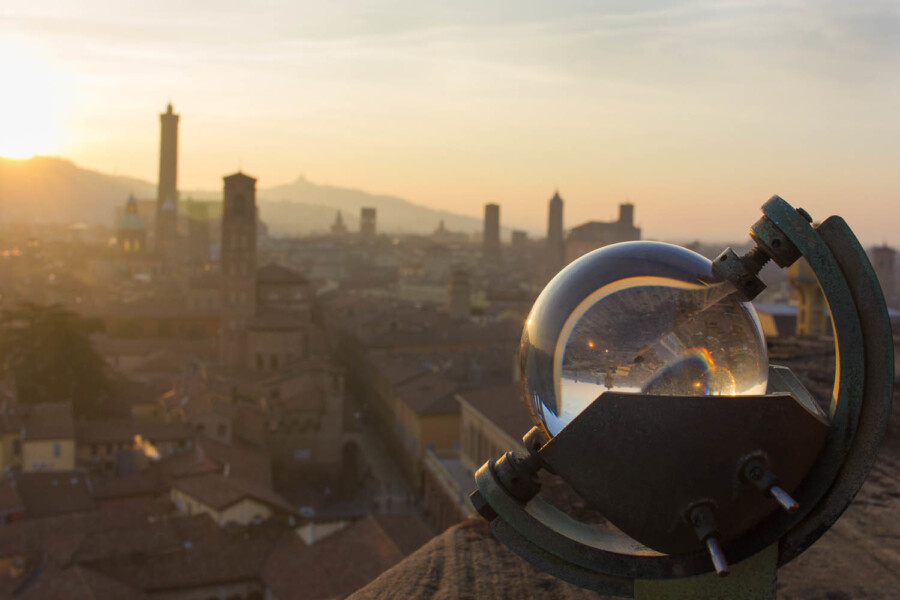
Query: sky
(697, 112)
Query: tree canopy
(47, 351)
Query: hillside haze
(51, 189)
(54, 189)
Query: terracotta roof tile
(51, 493)
(75, 583)
(408, 532)
(275, 273)
(219, 492)
(101, 431)
(333, 567)
(49, 421)
(503, 406)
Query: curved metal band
(849, 379)
(877, 391)
(569, 548)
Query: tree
(47, 351)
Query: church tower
(338, 227)
(556, 245)
(167, 190)
(238, 266)
(131, 233)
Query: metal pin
(717, 556)
(784, 499)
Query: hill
(56, 190)
(319, 203)
(53, 189)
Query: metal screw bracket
(703, 521)
(756, 474)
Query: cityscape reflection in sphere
(638, 317)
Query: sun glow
(30, 105)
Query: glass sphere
(638, 317)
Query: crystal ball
(637, 317)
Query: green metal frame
(611, 563)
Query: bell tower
(238, 266)
(167, 190)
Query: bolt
(805, 215)
(481, 506)
(755, 473)
(698, 520)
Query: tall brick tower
(167, 190)
(556, 245)
(490, 241)
(238, 266)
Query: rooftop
(503, 406)
(51, 493)
(49, 421)
(99, 431)
(429, 394)
(52, 582)
(220, 492)
(337, 565)
(273, 273)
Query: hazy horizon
(713, 106)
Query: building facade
(596, 234)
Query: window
(222, 430)
(17, 447)
(93, 449)
(57, 450)
(260, 361)
(273, 362)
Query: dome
(131, 218)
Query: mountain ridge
(56, 189)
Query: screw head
(481, 506)
(755, 473)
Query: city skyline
(454, 108)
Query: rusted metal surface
(877, 387)
(643, 461)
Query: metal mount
(812, 492)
